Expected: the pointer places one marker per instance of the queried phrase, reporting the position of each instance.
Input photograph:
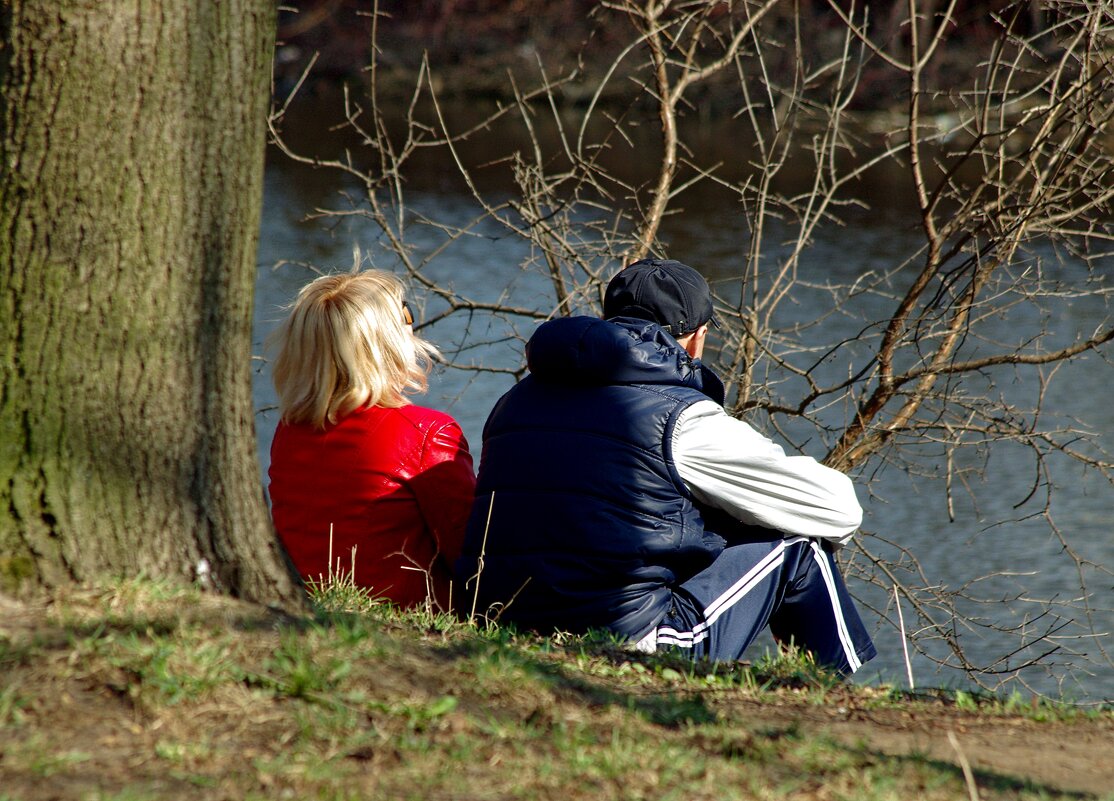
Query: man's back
(580, 515)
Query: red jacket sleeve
(444, 487)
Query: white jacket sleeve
(727, 464)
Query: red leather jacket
(394, 485)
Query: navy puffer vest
(580, 514)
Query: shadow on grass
(661, 707)
(998, 784)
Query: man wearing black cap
(615, 493)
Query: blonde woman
(356, 469)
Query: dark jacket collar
(589, 351)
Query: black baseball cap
(664, 291)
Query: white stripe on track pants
(793, 585)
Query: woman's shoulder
(421, 418)
(433, 434)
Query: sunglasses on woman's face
(407, 314)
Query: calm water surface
(901, 508)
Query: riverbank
(148, 691)
(586, 52)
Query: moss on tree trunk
(132, 147)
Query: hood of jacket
(588, 351)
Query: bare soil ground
(1072, 757)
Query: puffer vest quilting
(580, 515)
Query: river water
(901, 508)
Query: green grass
(147, 691)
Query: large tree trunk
(132, 146)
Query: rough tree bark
(132, 149)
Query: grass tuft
(338, 593)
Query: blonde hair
(345, 345)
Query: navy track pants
(792, 584)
